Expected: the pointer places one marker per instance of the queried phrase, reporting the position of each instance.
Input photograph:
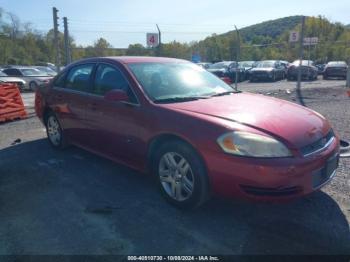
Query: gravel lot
(73, 202)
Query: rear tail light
(38, 103)
(227, 80)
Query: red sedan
(188, 128)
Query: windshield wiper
(179, 99)
(226, 93)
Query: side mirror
(117, 96)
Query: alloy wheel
(176, 176)
(54, 130)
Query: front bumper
(304, 74)
(261, 75)
(269, 179)
(335, 73)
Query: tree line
(20, 43)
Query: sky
(124, 22)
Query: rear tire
(54, 131)
(274, 77)
(33, 86)
(181, 175)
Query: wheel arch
(160, 139)
(46, 112)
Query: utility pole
(237, 58)
(159, 51)
(66, 41)
(56, 43)
(348, 75)
(301, 53)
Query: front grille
(322, 176)
(336, 70)
(318, 145)
(260, 73)
(272, 192)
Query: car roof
(21, 67)
(272, 61)
(128, 60)
(144, 59)
(336, 62)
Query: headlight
(252, 145)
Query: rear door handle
(92, 106)
(59, 98)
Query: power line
(136, 32)
(146, 23)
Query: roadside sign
(152, 39)
(294, 36)
(196, 58)
(310, 40)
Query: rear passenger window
(59, 82)
(109, 78)
(79, 78)
(12, 72)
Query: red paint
(124, 132)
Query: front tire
(54, 131)
(274, 77)
(33, 86)
(181, 175)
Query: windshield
(2, 74)
(337, 63)
(47, 70)
(246, 64)
(266, 64)
(177, 80)
(220, 65)
(303, 63)
(32, 72)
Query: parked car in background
(227, 71)
(47, 64)
(268, 70)
(335, 69)
(320, 68)
(308, 70)
(194, 133)
(247, 66)
(4, 78)
(205, 65)
(47, 70)
(32, 76)
(285, 65)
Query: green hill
(271, 28)
(270, 40)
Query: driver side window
(109, 78)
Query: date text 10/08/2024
(173, 258)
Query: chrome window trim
(90, 92)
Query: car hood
(291, 123)
(11, 79)
(38, 77)
(335, 66)
(267, 69)
(216, 69)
